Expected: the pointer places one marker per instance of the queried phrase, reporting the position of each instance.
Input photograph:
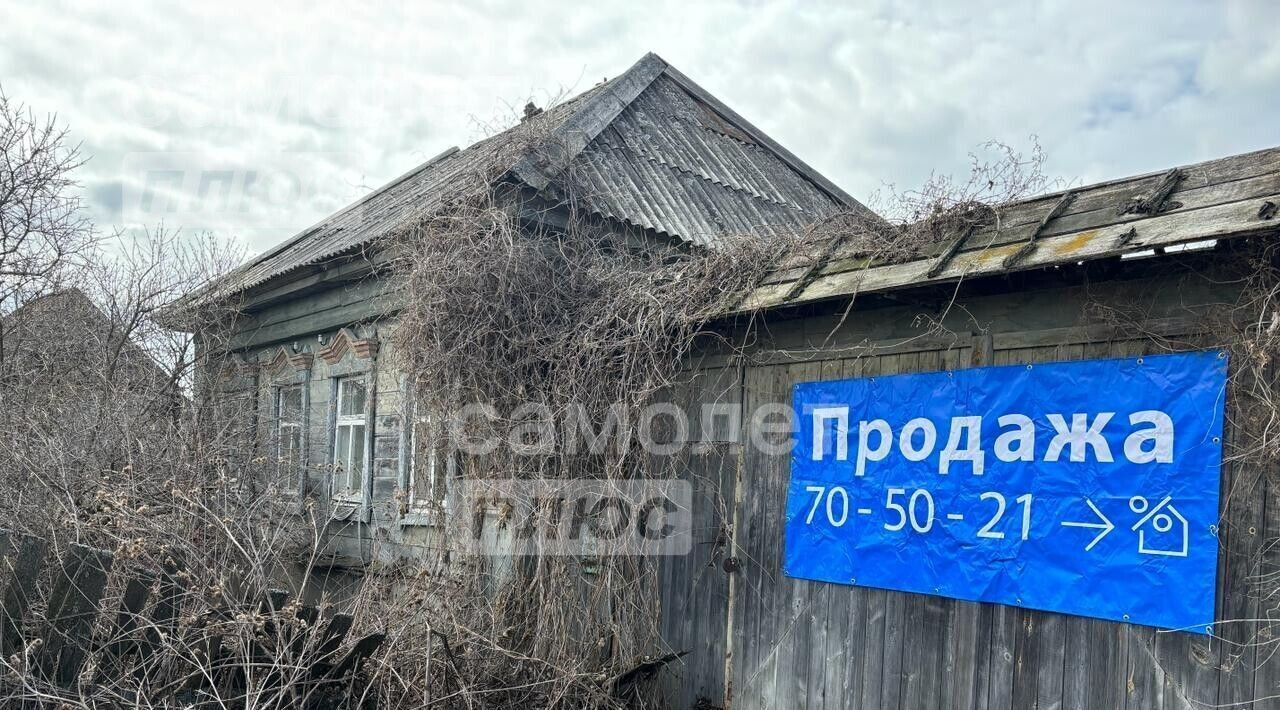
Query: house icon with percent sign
(1162, 530)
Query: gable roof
(649, 148)
(1145, 215)
(66, 324)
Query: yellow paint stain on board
(1076, 243)
(992, 255)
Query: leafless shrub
(583, 323)
(945, 206)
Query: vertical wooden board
(1266, 583)
(668, 683)
(1000, 657)
(1191, 669)
(855, 607)
(684, 596)
(923, 657)
(1029, 625)
(838, 650)
(120, 640)
(877, 606)
(828, 632)
(718, 486)
(1051, 659)
(895, 606)
(1241, 522)
(794, 684)
(1075, 672)
(877, 601)
(779, 606)
(788, 600)
(982, 656)
(959, 666)
(936, 629)
(22, 565)
(818, 620)
(1144, 682)
(1109, 641)
(849, 664)
(845, 614)
(1010, 685)
(924, 633)
(746, 590)
(767, 496)
(752, 578)
(73, 607)
(1105, 666)
(728, 391)
(1026, 657)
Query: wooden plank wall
(801, 644)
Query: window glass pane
(423, 463)
(351, 397)
(291, 404)
(342, 450)
(357, 457)
(290, 441)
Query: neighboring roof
(1215, 200)
(67, 322)
(648, 148)
(55, 314)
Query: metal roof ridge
(586, 122)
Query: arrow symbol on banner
(1106, 525)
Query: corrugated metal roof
(398, 203)
(649, 148)
(665, 165)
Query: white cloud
(880, 92)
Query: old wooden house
(651, 153)
(1125, 268)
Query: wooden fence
(59, 639)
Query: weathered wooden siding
(800, 644)
(757, 639)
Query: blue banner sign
(1086, 488)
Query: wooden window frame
(298, 426)
(438, 470)
(350, 422)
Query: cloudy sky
(276, 115)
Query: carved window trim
(283, 367)
(347, 342)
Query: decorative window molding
(346, 341)
(235, 365)
(284, 360)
